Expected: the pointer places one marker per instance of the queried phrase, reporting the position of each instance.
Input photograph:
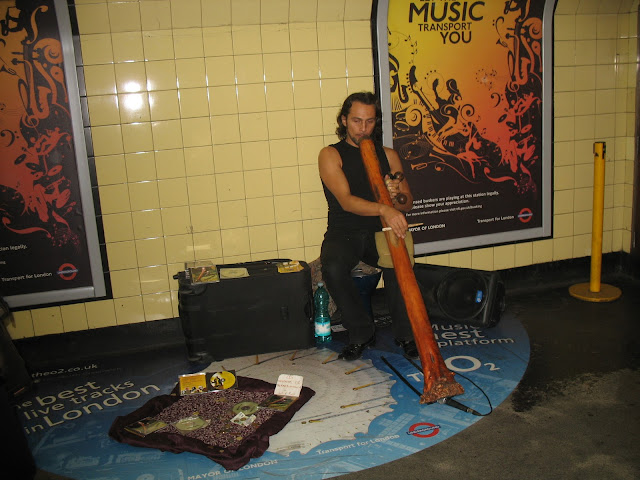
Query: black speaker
(460, 295)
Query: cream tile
(309, 178)
(523, 254)
(170, 163)
(303, 36)
(564, 153)
(125, 283)
(585, 127)
(103, 110)
(216, 12)
(281, 124)
(217, 41)
(121, 255)
(164, 105)
(167, 134)
(255, 156)
(158, 45)
(173, 192)
(249, 69)
(127, 47)
(277, 67)
(107, 140)
(278, 12)
(191, 73)
(161, 75)
(194, 102)
(118, 227)
(504, 257)
(313, 231)
(223, 100)
(147, 224)
(308, 149)
(357, 9)
(563, 225)
(47, 321)
(233, 214)
(586, 27)
(96, 49)
(286, 181)
(564, 129)
(110, 169)
(202, 189)
(257, 183)
(144, 195)
(253, 127)
(279, 96)
(542, 251)
(198, 160)
(562, 248)
(155, 15)
(331, 10)
(188, 43)
(251, 98)
(157, 306)
(235, 241)
(563, 202)
(150, 252)
(124, 16)
(314, 206)
(305, 65)
(303, 11)
(196, 132)
(332, 94)
(137, 137)
(260, 211)
(245, 12)
(130, 77)
(99, 79)
(92, 18)
(275, 37)
(220, 71)
(246, 39)
(262, 238)
(582, 224)
(564, 27)
(309, 122)
(607, 26)
(207, 245)
(357, 34)
(204, 218)
(606, 52)
(74, 317)
(290, 235)
(331, 36)
(283, 152)
(564, 178)
(585, 102)
(129, 310)
(585, 77)
(176, 220)
(306, 94)
(140, 166)
(134, 107)
(482, 259)
(230, 186)
(186, 13)
(581, 246)
(227, 158)
(287, 208)
(564, 79)
(100, 314)
(114, 199)
(359, 63)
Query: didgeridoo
(438, 379)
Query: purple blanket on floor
(253, 445)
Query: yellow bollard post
(594, 291)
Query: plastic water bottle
(322, 319)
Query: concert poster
(45, 237)
(468, 108)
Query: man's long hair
(366, 98)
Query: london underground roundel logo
(525, 215)
(424, 430)
(67, 271)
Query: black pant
(340, 253)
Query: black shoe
(353, 351)
(409, 347)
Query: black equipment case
(263, 312)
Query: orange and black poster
(467, 105)
(47, 223)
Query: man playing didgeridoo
(354, 217)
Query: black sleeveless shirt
(340, 220)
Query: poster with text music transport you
(466, 111)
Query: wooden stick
(438, 379)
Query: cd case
(205, 382)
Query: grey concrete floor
(575, 413)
